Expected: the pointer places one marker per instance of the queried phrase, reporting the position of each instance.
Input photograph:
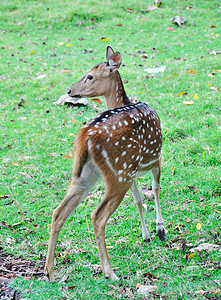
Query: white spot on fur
(105, 155)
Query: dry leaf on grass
(41, 76)
(188, 102)
(155, 70)
(170, 29)
(70, 155)
(178, 20)
(206, 246)
(146, 289)
(214, 52)
(67, 99)
(150, 8)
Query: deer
(120, 144)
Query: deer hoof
(161, 234)
(112, 277)
(147, 240)
(160, 231)
(49, 276)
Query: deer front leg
(156, 170)
(139, 202)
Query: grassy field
(62, 40)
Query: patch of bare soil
(12, 267)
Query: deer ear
(109, 52)
(114, 62)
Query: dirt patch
(12, 267)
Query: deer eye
(90, 77)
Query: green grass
(32, 128)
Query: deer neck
(116, 95)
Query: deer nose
(69, 92)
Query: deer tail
(80, 153)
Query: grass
(46, 37)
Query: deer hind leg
(139, 202)
(156, 171)
(99, 217)
(77, 191)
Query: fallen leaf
(146, 289)
(145, 206)
(138, 285)
(14, 164)
(175, 74)
(205, 246)
(157, 2)
(70, 155)
(69, 45)
(193, 188)
(105, 40)
(65, 71)
(214, 88)
(155, 70)
(181, 94)
(190, 102)
(170, 29)
(149, 276)
(191, 255)
(151, 8)
(198, 226)
(41, 76)
(71, 134)
(52, 154)
(191, 72)
(195, 96)
(67, 99)
(96, 100)
(5, 196)
(131, 10)
(66, 157)
(178, 20)
(61, 43)
(33, 52)
(214, 52)
(187, 220)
